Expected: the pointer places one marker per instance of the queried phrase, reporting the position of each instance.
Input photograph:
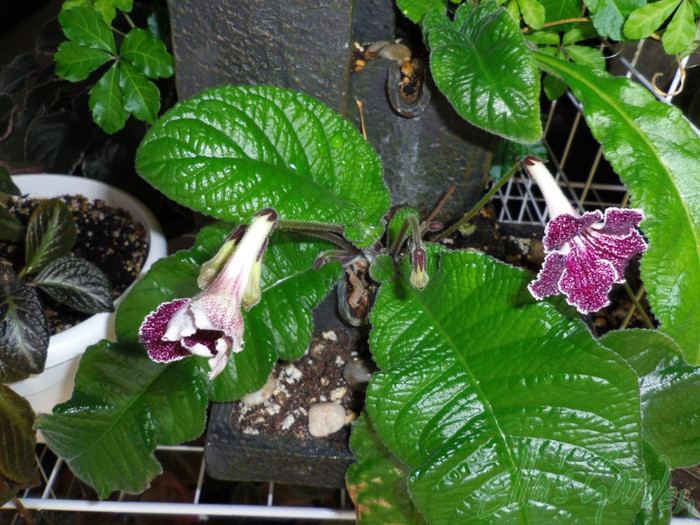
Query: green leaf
(108, 8)
(586, 56)
(147, 53)
(11, 228)
(17, 436)
(657, 155)
(382, 268)
(141, 96)
(123, 405)
(533, 13)
(658, 495)
(77, 283)
(15, 75)
(85, 25)
(279, 326)
(556, 10)
(508, 153)
(482, 64)
(580, 32)
(416, 9)
(7, 115)
(377, 480)
(669, 389)
(75, 62)
(610, 15)
(680, 31)
(502, 409)
(646, 19)
(24, 336)
(107, 102)
(51, 233)
(56, 140)
(231, 151)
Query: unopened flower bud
(419, 276)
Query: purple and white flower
(585, 254)
(211, 324)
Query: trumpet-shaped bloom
(211, 324)
(585, 254)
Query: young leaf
(11, 229)
(123, 405)
(17, 436)
(533, 13)
(107, 102)
(502, 409)
(141, 96)
(147, 53)
(51, 233)
(377, 480)
(75, 62)
(644, 20)
(640, 138)
(416, 9)
(84, 25)
(680, 31)
(609, 15)
(382, 268)
(482, 64)
(24, 336)
(77, 283)
(233, 150)
(665, 381)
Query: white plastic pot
(55, 384)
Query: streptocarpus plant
(488, 405)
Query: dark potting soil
(107, 237)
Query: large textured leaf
(51, 233)
(123, 405)
(503, 409)
(482, 64)
(377, 480)
(669, 389)
(17, 437)
(609, 15)
(657, 155)
(231, 151)
(147, 53)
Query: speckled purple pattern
(586, 256)
(152, 331)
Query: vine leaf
(233, 150)
(646, 19)
(75, 62)
(499, 406)
(609, 15)
(147, 53)
(640, 137)
(482, 64)
(107, 101)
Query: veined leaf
(75, 62)
(533, 13)
(147, 53)
(669, 389)
(231, 151)
(84, 25)
(417, 9)
(141, 96)
(610, 15)
(77, 283)
(17, 436)
(51, 233)
(107, 102)
(11, 228)
(556, 10)
(680, 31)
(503, 409)
(482, 64)
(646, 19)
(6, 183)
(586, 56)
(657, 155)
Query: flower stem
(328, 232)
(471, 213)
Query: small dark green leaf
(55, 141)
(75, 62)
(509, 153)
(646, 19)
(147, 53)
(669, 389)
(141, 96)
(15, 74)
(85, 25)
(680, 31)
(107, 102)
(482, 64)
(24, 336)
(7, 113)
(6, 184)
(9, 374)
(11, 229)
(51, 233)
(77, 283)
(377, 481)
(382, 268)
(399, 224)
(610, 15)
(17, 436)
(416, 9)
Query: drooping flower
(585, 254)
(211, 324)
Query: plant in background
(488, 404)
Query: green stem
(638, 306)
(485, 199)
(129, 20)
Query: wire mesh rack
(583, 173)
